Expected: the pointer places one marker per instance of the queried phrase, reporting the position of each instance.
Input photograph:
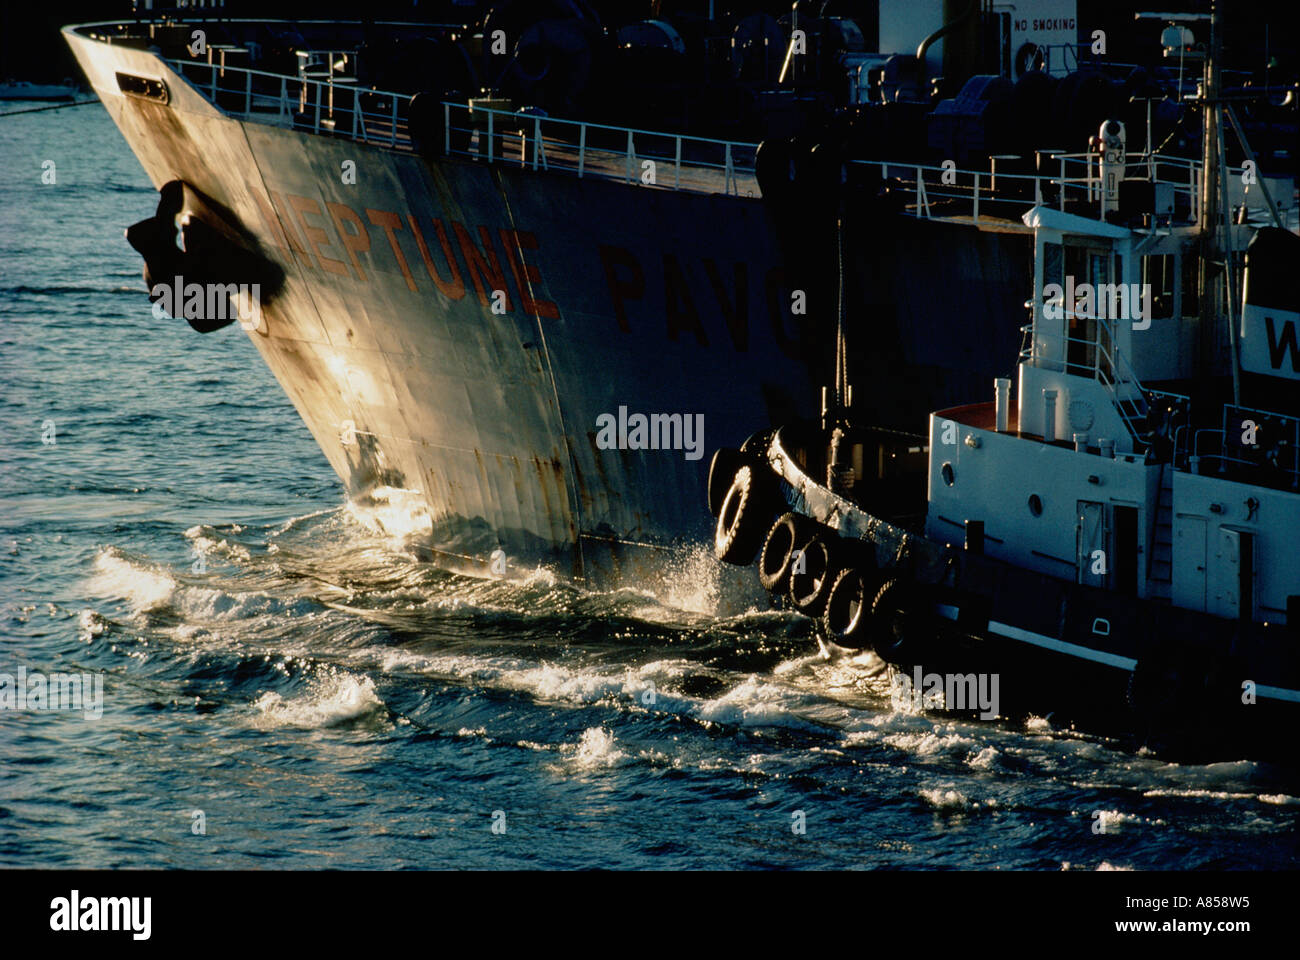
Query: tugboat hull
(1184, 683)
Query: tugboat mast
(1208, 221)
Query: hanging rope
(841, 360)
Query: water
(327, 701)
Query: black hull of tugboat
(1182, 683)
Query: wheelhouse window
(1160, 273)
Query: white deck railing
(334, 106)
(337, 106)
(1276, 451)
(936, 192)
(671, 160)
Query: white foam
(805, 664)
(1280, 799)
(942, 799)
(596, 750)
(144, 588)
(930, 743)
(89, 625)
(558, 683)
(394, 512)
(540, 577)
(1192, 793)
(215, 604)
(331, 700)
(191, 632)
(208, 546)
(1110, 821)
(754, 702)
(987, 759)
(692, 584)
(296, 521)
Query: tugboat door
(1096, 267)
(1189, 562)
(1090, 536)
(1234, 575)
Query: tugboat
(1116, 548)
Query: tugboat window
(1035, 505)
(1158, 271)
(1191, 278)
(1053, 264)
(946, 472)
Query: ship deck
(324, 95)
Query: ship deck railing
(1097, 357)
(337, 106)
(1270, 458)
(647, 157)
(999, 194)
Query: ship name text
(498, 267)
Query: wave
(596, 749)
(392, 512)
(90, 625)
(947, 799)
(143, 586)
(335, 596)
(334, 699)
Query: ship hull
(460, 331)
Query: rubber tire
(898, 635)
(808, 590)
(790, 533)
(742, 519)
(844, 627)
(722, 471)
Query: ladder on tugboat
(1160, 560)
(1134, 412)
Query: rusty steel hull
(412, 372)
